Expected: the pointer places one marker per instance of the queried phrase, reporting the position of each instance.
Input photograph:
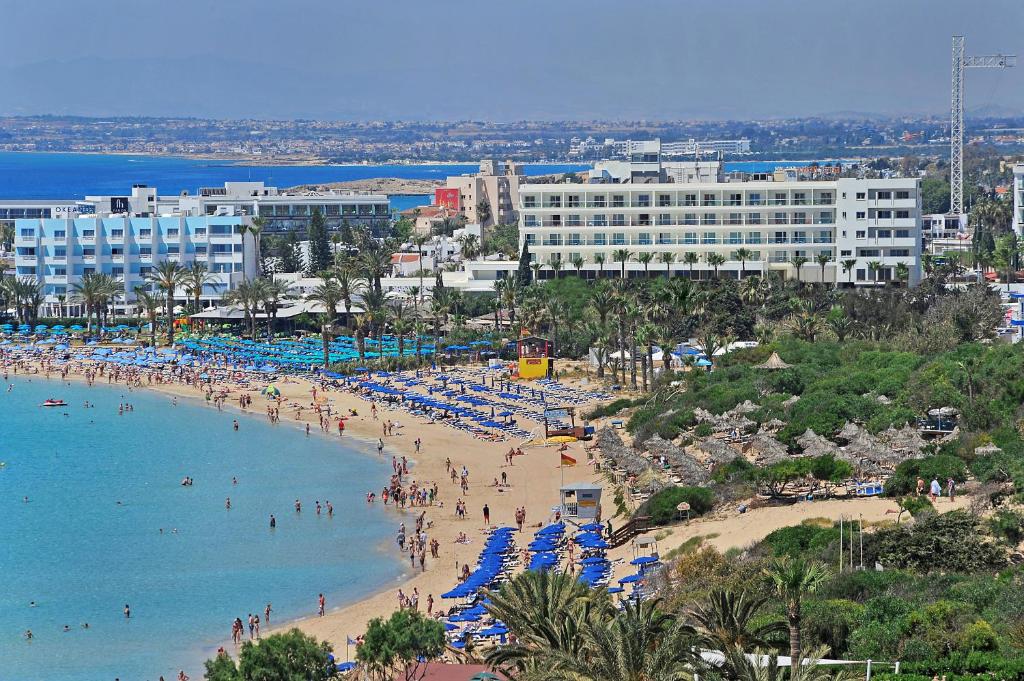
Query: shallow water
(101, 486)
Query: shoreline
(534, 482)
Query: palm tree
(361, 323)
(645, 335)
(690, 258)
(874, 267)
(641, 643)
(327, 294)
(197, 277)
(375, 262)
(716, 260)
(536, 267)
(791, 579)
(622, 256)
(150, 304)
(726, 619)
(168, 276)
(666, 258)
(349, 285)
(273, 293)
(645, 259)
(840, 324)
(546, 611)
(798, 261)
(256, 229)
(578, 262)
(822, 259)
(902, 273)
(599, 261)
(89, 291)
(556, 267)
(420, 329)
(249, 296)
(743, 255)
(399, 325)
(418, 240)
(848, 266)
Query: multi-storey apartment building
(1018, 199)
(496, 185)
(281, 211)
(58, 252)
(866, 228)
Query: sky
(501, 61)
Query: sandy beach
(533, 483)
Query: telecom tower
(956, 128)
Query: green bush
(703, 430)
(800, 540)
(610, 409)
(1008, 526)
(950, 542)
(662, 506)
(939, 467)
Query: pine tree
(320, 257)
(524, 273)
(291, 253)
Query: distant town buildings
(691, 148)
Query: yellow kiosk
(534, 358)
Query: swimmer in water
(28, 632)
(227, 504)
(234, 424)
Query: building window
(572, 201)
(885, 234)
(861, 196)
(618, 201)
(861, 215)
(902, 233)
(664, 200)
(899, 253)
(884, 214)
(618, 239)
(689, 199)
(529, 202)
(902, 195)
(709, 238)
(643, 200)
(902, 214)
(861, 234)
(754, 219)
(884, 195)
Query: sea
(95, 518)
(62, 176)
(70, 175)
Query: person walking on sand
(487, 515)
(934, 490)
(920, 485)
(320, 605)
(266, 613)
(951, 490)
(380, 447)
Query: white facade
(869, 221)
(1018, 199)
(58, 252)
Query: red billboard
(447, 198)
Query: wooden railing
(635, 527)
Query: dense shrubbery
(950, 542)
(798, 540)
(662, 506)
(940, 467)
(610, 409)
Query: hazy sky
(486, 59)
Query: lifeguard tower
(534, 357)
(581, 500)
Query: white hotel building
(646, 206)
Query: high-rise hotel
(869, 229)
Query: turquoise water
(100, 488)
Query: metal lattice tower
(956, 127)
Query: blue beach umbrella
(643, 560)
